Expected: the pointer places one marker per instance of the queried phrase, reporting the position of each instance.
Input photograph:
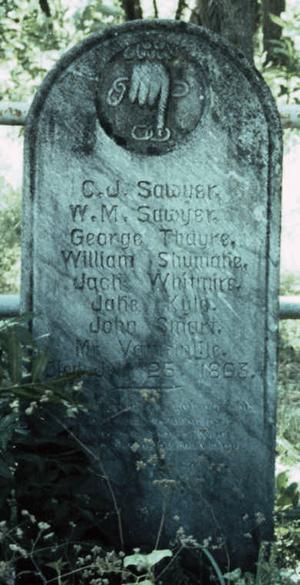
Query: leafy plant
(287, 492)
(25, 390)
(10, 232)
(269, 570)
(287, 521)
(282, 74)
(34, 35)
(40, 456)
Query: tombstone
(151, 251)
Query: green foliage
(287, 521)
(269, 570)
(146, 561)
(282, 75)
(10, 233)
(33, 38)
(288, 445)
(288, 406)
(290, 25)
(287, 492)
(40, 457)
(32, 546)
(22, 369)
(145, 564)
(288, 543)
(24, 391)
(96, 16)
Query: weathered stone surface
(151, 245)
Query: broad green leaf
(281, 480)
(137, 560)
(146, 561)
(39, 364)
(292, 487)
(278, 20)
(14, 353)
(144, 582)
(285, 501)
(233, 575)
(157, 555)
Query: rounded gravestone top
(151, 82)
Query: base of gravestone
(120, 529)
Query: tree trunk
(232, 19)
(132, 9)
(180, 9)
(272, 31)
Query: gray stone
(151, 250)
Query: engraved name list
(196, 263)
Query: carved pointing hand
(149, 84)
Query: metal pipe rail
(15, 114)
(9, 306)
(289, 306)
